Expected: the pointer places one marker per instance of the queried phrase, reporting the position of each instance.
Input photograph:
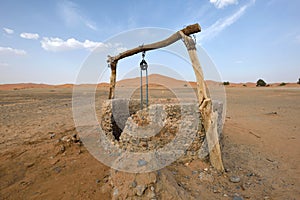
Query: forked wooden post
(205, 104)
(209, 117)
(113, 76)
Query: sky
(49, 41)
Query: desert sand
(42, 158)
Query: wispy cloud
(223, 3)
(73, 16)
(9, 50)
(8, 31)
(221, 24)
(31, 36)
(58, 44)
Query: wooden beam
(191, 29)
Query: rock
(116, 192)
(174, 172)
(195, 172)
(206, 177)
(237, 198)
(250, 174)
(133, 184)
(140, 189)
(65, 139)
(57, 169)
(235, 179)
(151, 195)
(62, 148)
(142, 163)
(28, 165)
(152, 188)
(97, 181)
(52, 135)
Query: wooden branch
(113, 76)
(191, 29)
(205, 103)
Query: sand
(260, 146)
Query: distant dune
(155, 80)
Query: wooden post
(209, 118)
(112, 86)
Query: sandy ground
(260, 146)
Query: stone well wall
(135, 130)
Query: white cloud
(12, 51)
(31, 36)
(58, 44)
(120, 50)
(8, 31)
(223, 3)
(213, 30)
(73, 16)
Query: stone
(235, 179)
(62, 148)
(65, 139)
(140, 189)
(133, 184)
(237, 198)
(206, 177)
(116, 192)
(52, 135)
(28, 165)
(57, 169)
(151, 195)
(250, 174)
(142, 163)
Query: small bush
(282, 84)
(244, 85)
(226, 83)
(185, 85)
(261, 83)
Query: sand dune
(155, 80)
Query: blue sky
(48, 41)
